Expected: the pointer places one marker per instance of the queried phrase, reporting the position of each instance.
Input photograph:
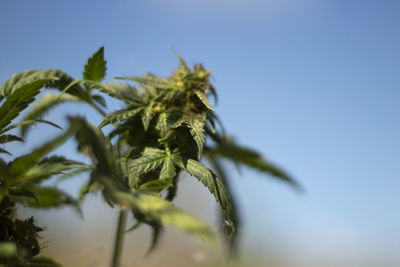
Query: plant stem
(119, 237)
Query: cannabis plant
(167, 128)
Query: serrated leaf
(147, 115)
(151, 159)
(56, 79)
(214, 185)
(18, 100)
(196, 126)
(230, 225)
(168, 169)
(162, 124)
(43, 106)
(95, 68)
(119, 115)
(164, 211)
(202, 96)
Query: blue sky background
(314, 85)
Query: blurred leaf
(155, 186)
(165, 212)
(43, 262)
(8, 250)
(18, 100)
(121, 91)
(9, 138)
(22, 164)
(22, 192)
(43, 106)
(48, 197)
(150, 80)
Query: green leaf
(18, 100)
(155, 186)
(164, 211)
(147, 115)
(162, 124)
(9, 138)
(48, 197)
(214, 185)
(168, 169)
(151, 159)
(95, 68)
(196, 126)
(202, 96)
(43, 106)
(53, 165)
(230, 225)
(119, 115)
(22, 123)
(22, 192)
(24, 163)
(108, 168)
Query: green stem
(119, 237)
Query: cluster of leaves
(21, 178)
(167, 128)
(164, 130)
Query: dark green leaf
(9, 138)
(151, 159)
(95, 68)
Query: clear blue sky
(312, 84)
